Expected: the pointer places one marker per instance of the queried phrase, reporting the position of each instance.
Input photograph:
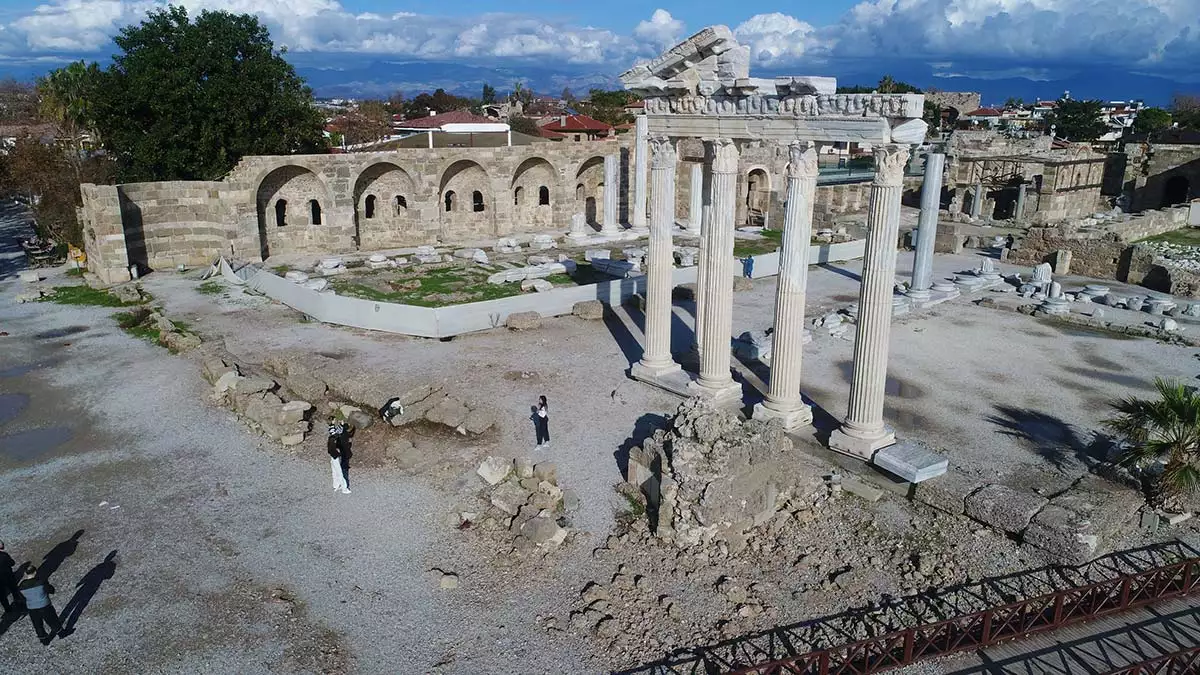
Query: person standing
(334, 447)
(8, 582)
(37, 603)
(541, 423)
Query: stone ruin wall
(962, 101)
(1155, 173)
(1103, 250)
(165, 224)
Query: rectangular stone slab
(911, 461)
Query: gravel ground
(233, 555)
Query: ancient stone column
(977, 201)
(1020, 211)
(931, 197)
(863, 431)
(640, 160)
(660, 258)
(715, 381)
(701, 273)
(697, 195)
(612, 190)
(783, 401)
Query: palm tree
(64, 95)
(1165, 429)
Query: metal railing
(1182, 662)
(996, 624)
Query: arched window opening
(518, 196)
(369, 208)
(450, 201)
(281, 212)
(315, 207)
(477, 201)
(401, 203)
(543, 196)
(579, 192)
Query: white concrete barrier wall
(767, 264)
(442, 321)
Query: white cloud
(777, 38)
(661, 31)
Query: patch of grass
(84, 295)
(210, 287)
(137, 323)
(281, 269)
(1187, 236)
(76, 272)
(438, 288)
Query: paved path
(1099, 646)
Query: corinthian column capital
(802, 160)
(890, 160)
(724, 155)
(662, 153)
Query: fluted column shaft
(697, 202)
(783, 400)
(656, 358)
(863, 431)
(612, 190)
(640, 160)
(931, 198)
(701, 274)
(977, 201)
(717, 316)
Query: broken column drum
(641, 159)
(863, 431)
(656, 359)
(783, 400)
(611, 193)
(715, 380)
(931, 195)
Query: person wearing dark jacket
(37, 603)
(541, 423)
(10, 597)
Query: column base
(670, 377)
(639, 230)
(918, 295)
(720, 395)
(863, 448)
(794, 418)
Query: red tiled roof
(575, 123)
(546, 133)
(636, 104)
(442, 119)
(984, 112)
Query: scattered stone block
(911, 460)
(860, 489)
(494, 470)
(588, 309)
(537, 285)
(546, 471)
(523, 466)
(1004, 508)
(510, 497)
(448, 582)
(523, 321)
(742, 284)
(570, 500)
(29, 276)
(478, 421)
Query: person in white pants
(334, 446)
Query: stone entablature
(702, 88)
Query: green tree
(1077, 121)
(65, 97)
(567, 95)
(1151, 120)
(523, 125)
(489, 94)
(18, 102)
(1185, 111)
(186, 100)
(370, 121)
(1164, 429)
(1014, 102)
(47, 177)
(395, 104)
(887, 85)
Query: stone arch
(467, 182)
(381, 194)
(591, 176)
(757, 200)
(531, 179)
(289, 191)
(1176, 190)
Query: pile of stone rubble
(523, 502)
(259, 401)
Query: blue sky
(1111, 48)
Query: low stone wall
(767, 264)
(1098, 249)
(173, 223)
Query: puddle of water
(32, 444)
(11, 405)
(1099, 361)
(61, 332)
